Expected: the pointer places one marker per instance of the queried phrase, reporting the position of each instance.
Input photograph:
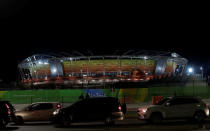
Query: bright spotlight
(190, 70)
(40, 62)
(145, 57)
(54, 70)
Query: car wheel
(3, 123)
(19, 120)
(66, 120)
(199, 116)
(156, 118)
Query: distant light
(190, 70)
(174, 55)
(201, 68)
(145, 57)
(46, 63)
(54, 70)
(40, 62)
(159, 68)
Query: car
(7, 113)
(177, 107)
(107, 109)
(40, 111)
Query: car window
(190, 101)
(46, 106)
(180, 101)
(79, 104)
(177, 101)
(33, 107)
(42, 106)
(162, 101)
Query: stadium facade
(75, 70)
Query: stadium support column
(160, 65)
(71, 67)
(88, 66)
(21, 73)
(120, 66)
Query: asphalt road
(125, 125)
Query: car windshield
(162, 101)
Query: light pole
(145, 60)
(190, 72)
(201, 68)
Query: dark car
(107, 109)
(6, 113)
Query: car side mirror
(167, 104)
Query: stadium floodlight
(145, 57)
(190, 70)
(40, 62)
(174, 54)
(54, 70)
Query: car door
(174, 108)
(80, 111)
(190, 106)
(44, 111)
(95, 109)
(29, 114)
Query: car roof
(99, 98)
(5, 101)
(45, 103)
(191, 97)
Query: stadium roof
(133, 54)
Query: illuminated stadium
(138, 66)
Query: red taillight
(120, 108)
(207, 106)
(7, 106)
(58, 106)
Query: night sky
(34, 27)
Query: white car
(175, 108)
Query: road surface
(125, 125)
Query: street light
(201, 68)
(190, 70)
(145, 60)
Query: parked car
(7, 112)
(175, 108)
(107, 109)
(41, 111)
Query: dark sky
(29, 27)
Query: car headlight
(144, 110)
(56, 112)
